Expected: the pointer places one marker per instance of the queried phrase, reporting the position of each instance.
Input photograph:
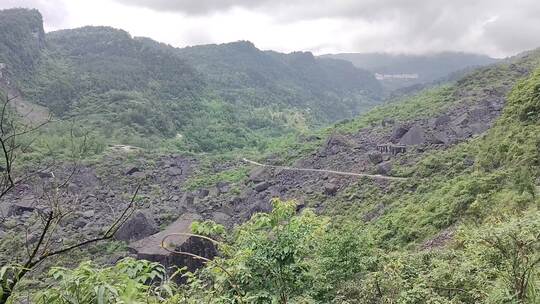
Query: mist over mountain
(413, 69)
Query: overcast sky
(495, 27)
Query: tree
(16, 137)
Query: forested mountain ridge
(107, 79)
(297, 79)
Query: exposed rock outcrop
(149, 248)
(414, 136)
(140, 225)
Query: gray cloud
(498, 26)
(196, 6)
(495, 27)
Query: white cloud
(495, 27)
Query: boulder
(149, 248)
(20, 207)
(440, 138)
(131, 170)
(139, 226)
(45, 174)
(174, 171)
(259, 174)
(202, 193)
(330, 188)
(223, 187)
(375, 157)
(221, 218)
(415, 136)
(442, 120)
(461, 120)
(397, 133)
(261, 206)
(88, 214)
(335, 144)
(478, 128)
(260, 187)
(384, 168)
(80, 223)
(187, 200)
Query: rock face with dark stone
(259, 174)
(397, 133)
(335, 144)
(20, 207)
(384, 168)
(415, 136)
(137, 227)
(203, 193)
(260, 187)
(132, 170)
(375, 157)
(441, 120)
(173, 237)
(223, 187)
(174, 171)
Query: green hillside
(462, 228)
(209, 98)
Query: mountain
(213, 97)
(400, 70)
(22, 39)
(432, 196)
(297, 79)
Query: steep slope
(209, 98)
(413, 69)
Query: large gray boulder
(384, 168)
(375, 157)
(175, 237)
(24, 205)
(397, 133)
(260, 187)
(259, 174)
(139, 226)
(442, 120)
(415, 136)
(330, 188)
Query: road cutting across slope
(375, 176)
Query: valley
(271, 177)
